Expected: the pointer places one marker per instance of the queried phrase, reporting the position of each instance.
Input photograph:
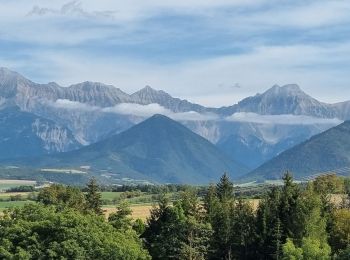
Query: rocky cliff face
(25, 134)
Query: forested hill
(324, 152)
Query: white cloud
(73, 105)
(152, 109)
(145, 111)
(132, 109)
(137, 110)
(281, 119)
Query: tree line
(292, 221)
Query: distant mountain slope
(254, 144)
(25, 134)
(327, 151)
(158, 149)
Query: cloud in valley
(73, 105)
(145, 111)
(244, 117)
(138, 110)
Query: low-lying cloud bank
(152, 109)
(135, 110)
(246, 117)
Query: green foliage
(224, 188)
(314, 243)
(344, 254)
(269, 225)
(290, 252)
(329, 184)
(139, 226)
(93, 197)
(165, 231)
(196, 240)
(232, 221)
(62, 196)
(46, 232)
(340, 232)
(314, 248)
(290, 212)
(121, 219)
(291, 222)
(179, 231)
(22, 188)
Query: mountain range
(251, 132)
(158, 150)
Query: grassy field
(7, 184)
(8, 195)
(142, 198)
(10, 204)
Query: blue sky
(210, 52)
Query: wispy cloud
(72, 8)
(72, 105)
(143, 111)
(281, 119)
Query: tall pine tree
(93, 197)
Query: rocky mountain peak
(7, 77)
(286, 90)
(148, 95)
(10, 81)
(148, 90)
(288, 99)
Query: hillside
(327, 151)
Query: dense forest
(292, 221)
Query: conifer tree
(93, 197)
(221, 219)
(211, 202)
(243, 235)
(121, 219)
(224, 188)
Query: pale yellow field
(20, 182)
(138, 211)
(143, 211)
(8, 194)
